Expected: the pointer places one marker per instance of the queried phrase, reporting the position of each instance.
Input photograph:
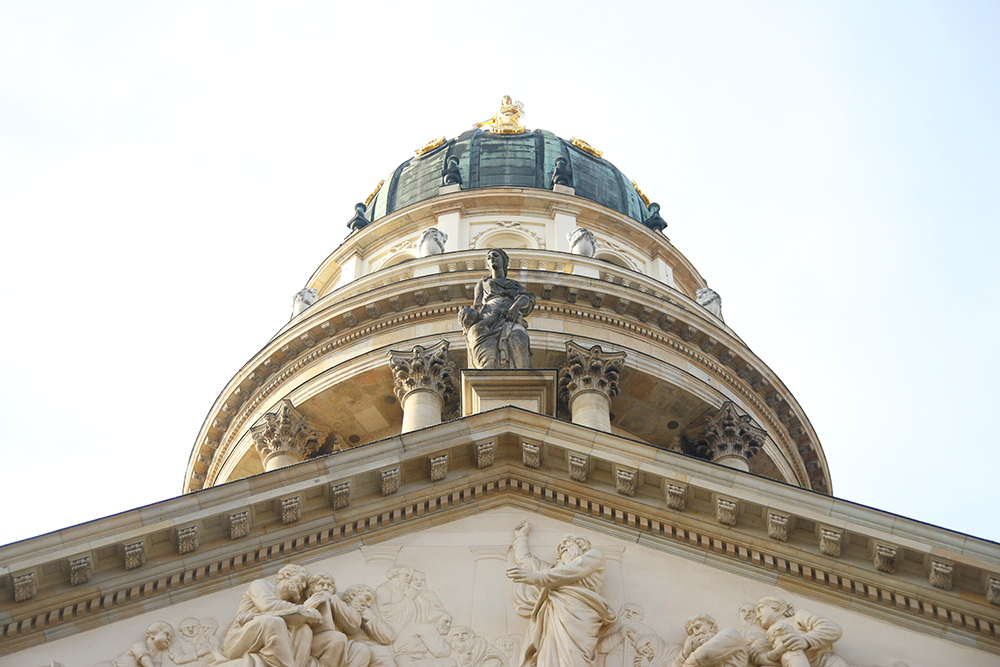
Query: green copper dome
(525, 160)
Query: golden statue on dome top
(508, 119)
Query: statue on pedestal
(494, 325)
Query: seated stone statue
(265, 619)
(374, 632)
(806, 632)
(328, 645)
(707, 646)
(494, 326)
(470, 650)
(425, 644)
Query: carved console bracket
(577, 468)
(439, 467)
(777, 527)
(725, 511)
(829, 541)
(135, 555)
(485, 454)
(676, 497)
(239, 524)
(625, 482)
(187, 540)
(291, 510)
(390, 481)
(340, 495)
(25, 587)
(531, 454)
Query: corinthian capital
(589, 369)
(426, 368)
(727, 437)
(287, 436)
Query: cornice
(669, 319)
(674, 505)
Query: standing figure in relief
(396, 598)
(425, 644)
(566, 612)
(328, 644)
(374, 632)
(147, 653)
(806, 632)
(706, 646)
(266, 617)
(494, 326)
(426, 600)
(470, 650)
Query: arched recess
(616, 258)
(508, 235)
(397, 258)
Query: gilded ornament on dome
(507, 120)
(585, 147)
(429, 146)
(375, 192)
(644, 198)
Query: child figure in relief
(148, 653)
(779, 655)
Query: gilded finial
(644, 198)
(585, 147)
(429, 146)
(507, 120)
(375, 192)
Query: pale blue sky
(171, 173)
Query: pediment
(464, 560)
(681, 536)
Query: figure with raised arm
(563, 602)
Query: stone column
(729, 439)
(378, 560)
(286, 436)
(490, 591)
(614, 577)
(588, 382)
(424, 381)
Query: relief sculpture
(299, 620)
(563, 603)
(794, 638)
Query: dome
(493, 160)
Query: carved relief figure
(328, 644)
(426, 600)
(651, 651)
(494, 326)
(208, 641)
(616, 647)
(425, 644)
(807, 632)
(510, 646)
(265, 618)
(396, 598)
(566, 612)
(707, 646)
(374, 632)
(780, 655)
(472, 651)
(185, 648)
(147, 653)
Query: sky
(172, 173)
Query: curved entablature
(334, 355)
(510, 218)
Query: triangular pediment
(680, 536)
